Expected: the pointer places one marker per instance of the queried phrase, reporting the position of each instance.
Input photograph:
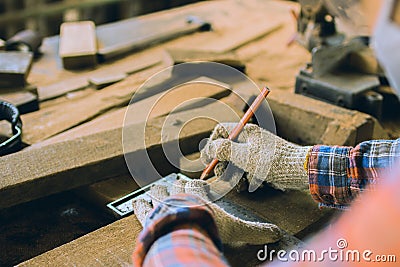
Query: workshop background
(54, 193)
(45, 16)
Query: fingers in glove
(198, 188)
(178, 187)
(141, 208)
(222, 130)
(219, 169)
(158, 193)
(218, 137)
(219, 149)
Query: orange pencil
(239, 127)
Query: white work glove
(261, 154)
(232, 230)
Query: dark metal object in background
(329, 77)
(349, 90)
(10, 113)
(26, 41)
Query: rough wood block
(308, 121)
(78, 44)
(14, 68)
(80, 80)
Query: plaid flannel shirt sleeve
(180, 231)
(338, 174)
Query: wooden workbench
(74, 139)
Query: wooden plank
(162, 104)
(78, 44)
(227, 38)
(109, 190)
(41, 171)
(294, 211)
(55, 119)
(111, 245)
(73, 81)
(125, 36)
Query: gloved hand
(232, 230)
(261, 154)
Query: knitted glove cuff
(287, 170)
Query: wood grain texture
(54, 81)
(111, 245)
(160, 104)
(320, 123)
(109, 190)
(55, 119)
(231, 31)
(45, 170)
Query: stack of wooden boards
(76, 136)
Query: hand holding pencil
(264, 156)
(235, 132)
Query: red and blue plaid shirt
(338, 174)
(176, 236)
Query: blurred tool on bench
(15, 65)
(25, 41)
(343, 69)
(11, 144)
